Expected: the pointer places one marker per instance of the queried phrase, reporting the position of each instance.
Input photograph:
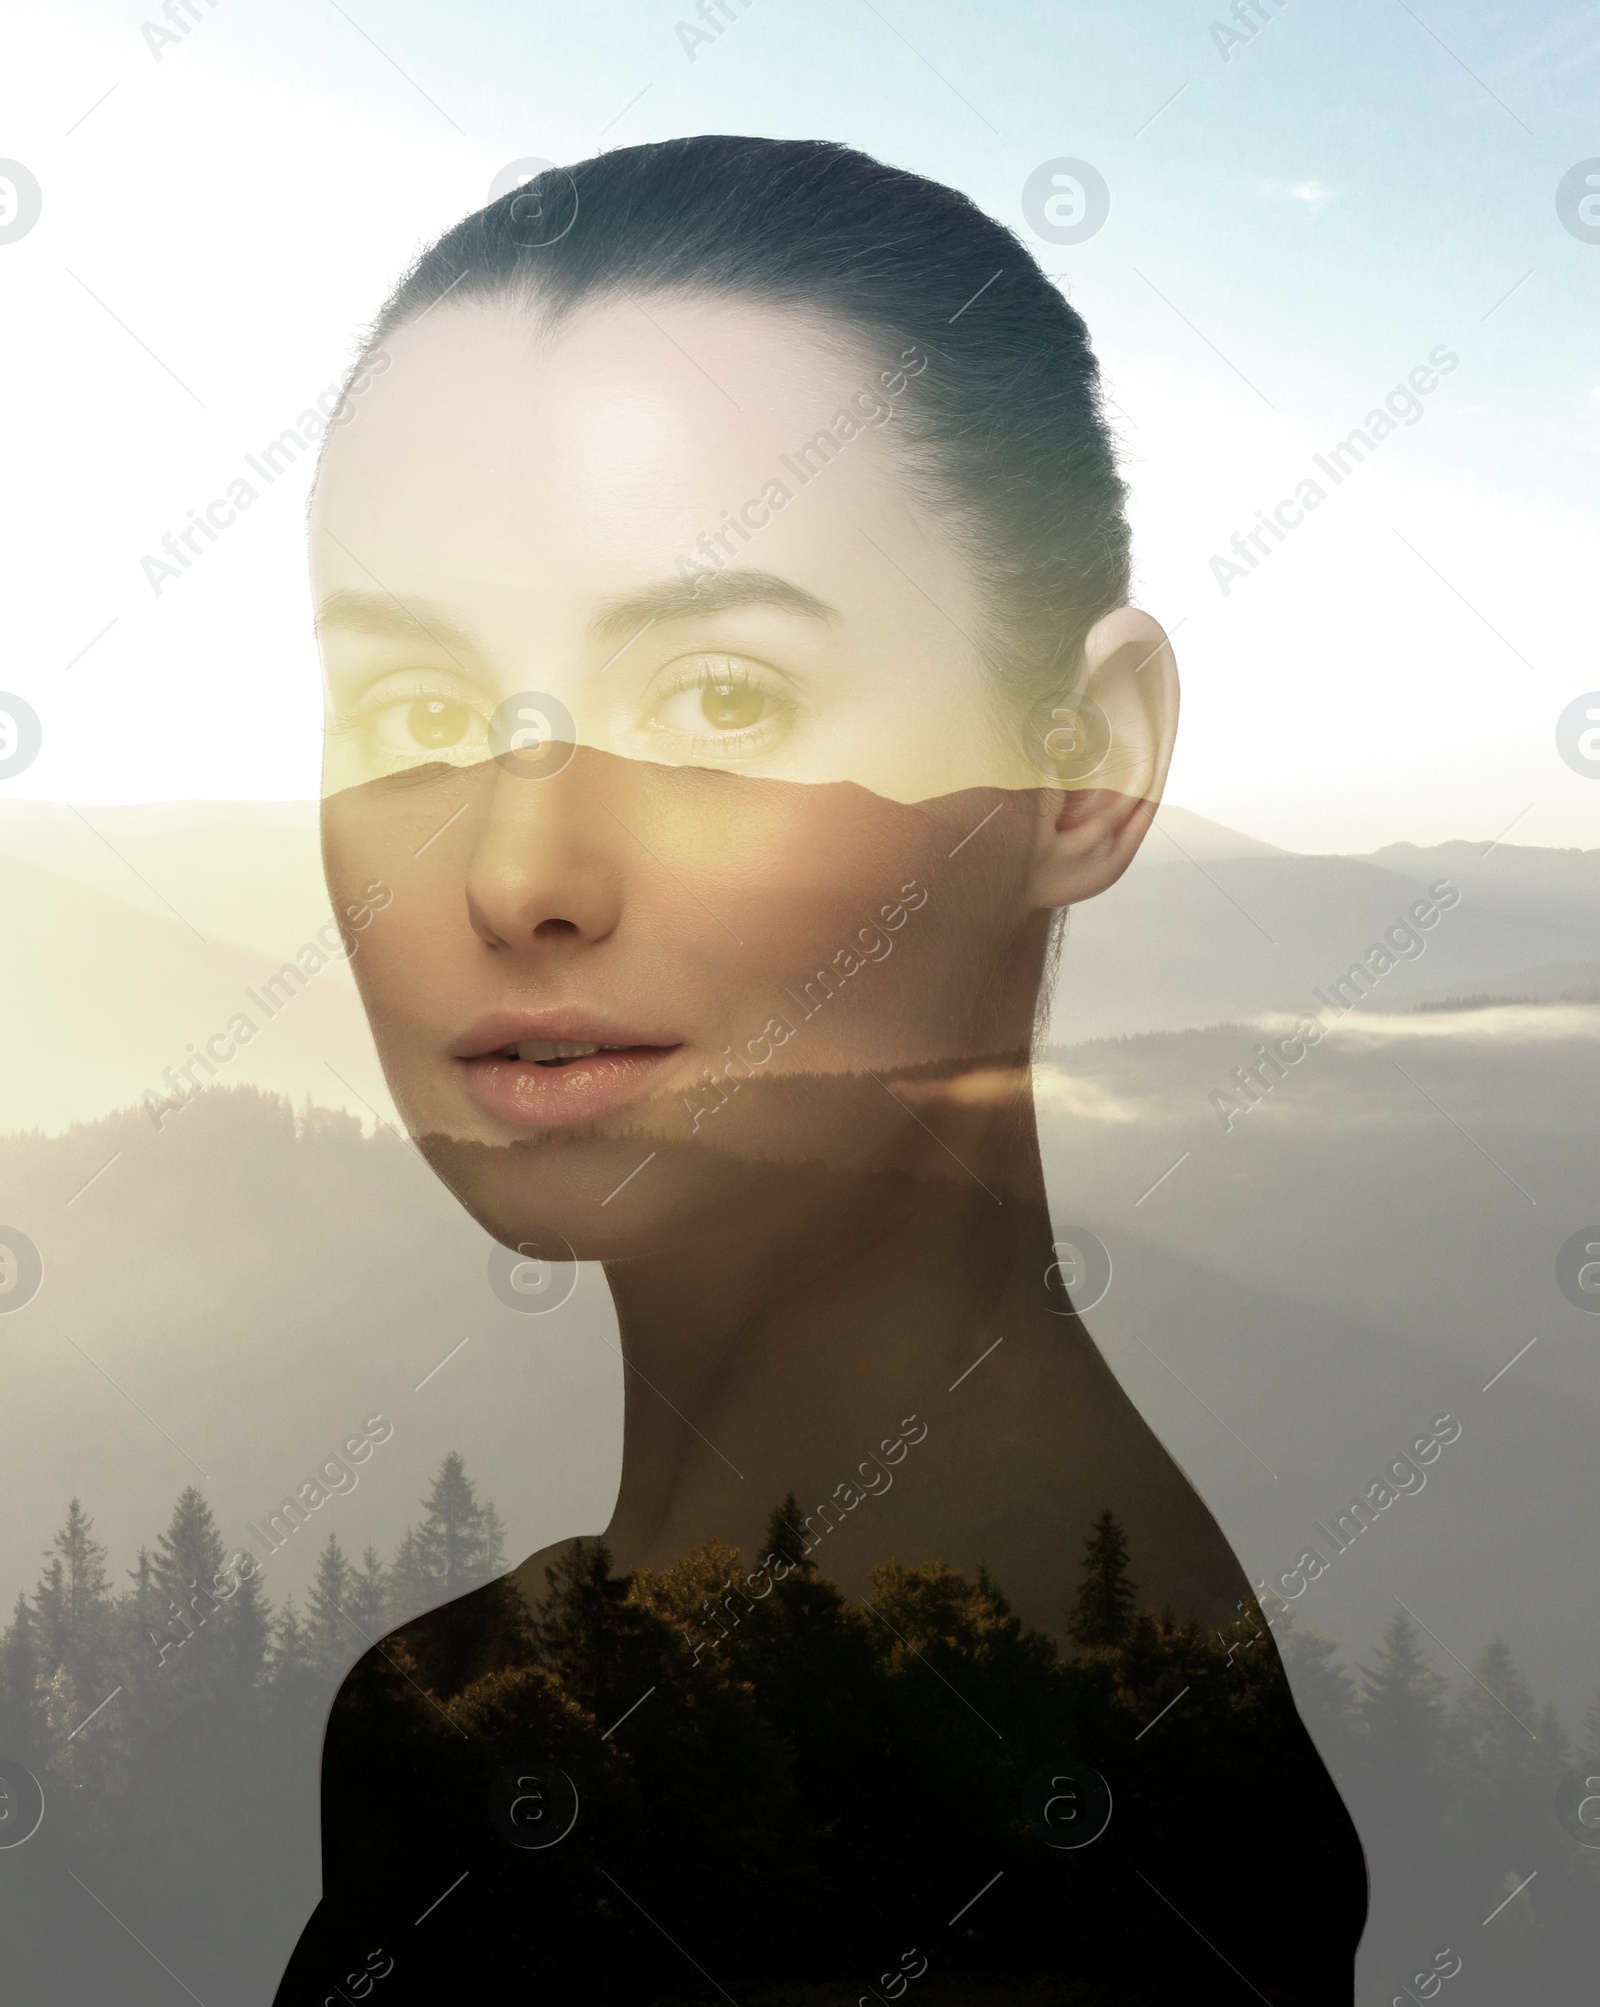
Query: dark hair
(1005, 433)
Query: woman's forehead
(639, 439)
(623, 392)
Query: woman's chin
(608, 1196)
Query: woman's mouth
(573, 1072)
(556, 1052)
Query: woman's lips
(538, 1095)
(539, 1091)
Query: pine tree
(591, 1632)
(1402, 1698)
(931, 1618)
(411, 1586)
(296, 1692)
(494, 1543)
(83, 1558)
(1323, 1689)
(1400, 1782)
(19, 1672)
(187, 1562)
(331, 1638)
(1506, 1764)
(248, 1632)
(143, 1594)
(457, 1555)
(290, 1656)
(73, 1605)
(1493, 1720)
(1106, 1600)
(1589, 1741)
(453, 1541)
(701, 1595)
(51, 1614)
(62, 1711)
(369, 1597)
(786, 1536)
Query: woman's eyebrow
(707, 592)
(389, 619)
(384, 617)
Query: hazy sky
(1295, 223)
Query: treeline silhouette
(778, 1785)
(774, 1783)
(175, 1734)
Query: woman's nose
(547, 866)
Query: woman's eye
(436, 721)
(717, 706)
(732, 707)
(426, 725)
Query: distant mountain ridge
(1196, 939)
(176, 908)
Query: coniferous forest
(725, 1781)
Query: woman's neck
(776, 1354)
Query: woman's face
(657, 723)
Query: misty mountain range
(175, 910)
(1308, 1273)
(1294, 1298)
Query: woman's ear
(1089, 829)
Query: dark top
(719, 1792)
